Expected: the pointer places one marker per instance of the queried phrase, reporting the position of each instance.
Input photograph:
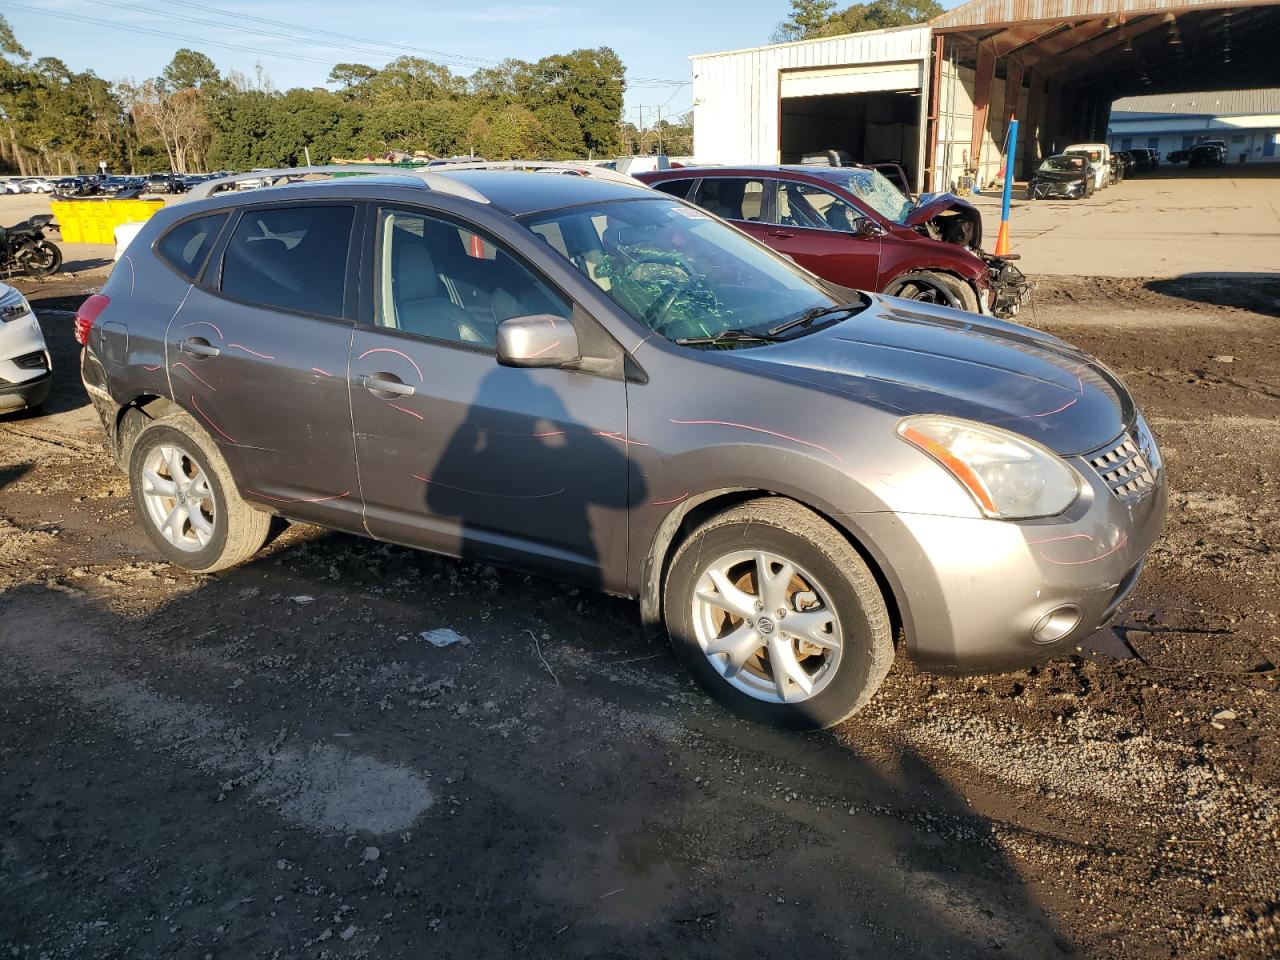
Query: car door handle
(781, 234)
(383, 383)
(198, 348)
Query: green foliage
(192, 118)
(807, 18)
(190, 69)
(819, 18)
(55, 120)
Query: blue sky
(653, 38)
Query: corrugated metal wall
(955, 127)
(736, 95)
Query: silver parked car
(596, 381)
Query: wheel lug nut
(751, 623)
(759, 606)
(781, 613)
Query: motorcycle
(24, 248)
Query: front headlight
(1008, 476)
(13, 306)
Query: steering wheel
(658, 313)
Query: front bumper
(972, 591)
(1050, 189)
(1009, 287)
(28, 393)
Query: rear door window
(733, 198)
(676, 188)
(187, 246)
(290, 258)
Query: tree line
(193, 117)
(825, 18)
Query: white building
(1248, 120)
(863, 93)
(939, 97)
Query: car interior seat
(419, 304)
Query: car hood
(911, 358)
(1056, 176)
(931, 205)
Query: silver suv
(586, 378)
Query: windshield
(1071, 164)
(678, 271)
(879, 193)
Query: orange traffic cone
(1002, 239)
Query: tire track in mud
(314, 785)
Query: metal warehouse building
(1248, 121)
(938, 97)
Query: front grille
(31, 361)
(1126, 468)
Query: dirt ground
(346, 749)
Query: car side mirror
(866, 227)
(539, 340)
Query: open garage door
(870, 127)
(871, 112)
(1059, 66)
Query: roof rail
(210, 187)
(435, 178)
(570, 167)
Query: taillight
(87, 314)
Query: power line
(458, 60)
(186, 38)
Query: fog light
(1056, 624)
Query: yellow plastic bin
(94, 221)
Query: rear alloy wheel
(931, 286)
(187, 500)
(777, 617)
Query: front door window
(804, 205)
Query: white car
(10, 185)
(1099, 155)
(36, 185)
(25, 367)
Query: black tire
(239, 530)
(46, 261)
(784, 527)
(932, 286)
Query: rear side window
(676, 188)
(291, 258)
(731, 198)
(187, 246)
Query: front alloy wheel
(766, 626)
(777, 616)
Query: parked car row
(92, 185)
(1077, 172)
(611, 385)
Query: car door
(258, 354)
(817, 230)
(457, 453)
(743, 201)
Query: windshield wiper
(727, 335)
(811, 315)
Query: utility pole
(640, 145)
(658, 127)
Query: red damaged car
(852, 226)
